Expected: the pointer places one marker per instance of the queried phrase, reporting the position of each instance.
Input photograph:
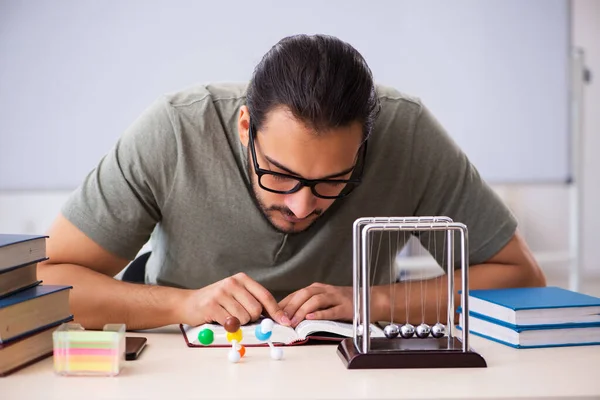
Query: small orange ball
(242, 351)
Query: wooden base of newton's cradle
(410, 353)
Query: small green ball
(206, 336)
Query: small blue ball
(263, 337)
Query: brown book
(32, 309)
(15, 279)
(27, 349)
(18, 250)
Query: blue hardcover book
(535, 306)
(33, 309)
(534, 336)
(17, 250)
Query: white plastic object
(234, 356)
(266, 325)
(276, 353)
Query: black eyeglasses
(277, 182)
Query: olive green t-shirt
(179, 177)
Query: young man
(250, 193)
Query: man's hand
(238, 296)
(319, 301)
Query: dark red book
(28, 349)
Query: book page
(343, 329)
(281, 334)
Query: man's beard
(266, 210)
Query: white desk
(168, 369)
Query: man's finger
(220, 315)
(267, 300)
(235, 309)
(298, 300)
(249, 302)
(333, 313)
(315, 303)
(286, 300)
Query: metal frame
(576, 195)
(362, 227)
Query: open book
(306, 330)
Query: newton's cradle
(404, 345)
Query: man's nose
(302, 203)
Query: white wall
(495, 56)
(586, 14)
(29, 212)
(543, 210)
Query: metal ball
(423, 330)
(391, 331)
(407, 331)
(360, 329)
(438, 330)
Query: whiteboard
(74, 74)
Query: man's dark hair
(324, 82)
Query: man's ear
(244, 125)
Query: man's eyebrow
(289, 171)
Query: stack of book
(29, 310)
(535, 317)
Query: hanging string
(396, 272)
(376, 261)
(421, 276)
(437, 280)
(392, 285)
(424, 292)
(407, 290)
(448, 272)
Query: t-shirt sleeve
(119, 202)
(446, 183)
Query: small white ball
(234, 356)
(266, 325)
(276, 353)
